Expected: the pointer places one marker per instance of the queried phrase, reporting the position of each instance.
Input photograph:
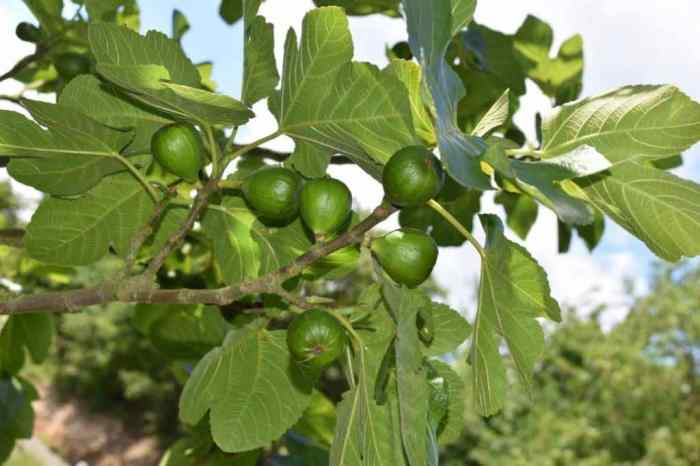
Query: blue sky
(625, 43)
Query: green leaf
(114, 45)
(251, 389)
(559, 77)
(321, 90)
(450, 330)
(633, 123)
(657, 207)
(48, 12)
(233, 230)
(68, 158)
(260, 76)
(488, 67)
(151, 85)
(431, 27)
(122, 12)
(514, 291)
(309, 159)
(182, 331)
(80, 231)
(521, 211)
(318, 421)
(496, 116)
(411, 379)
(411, 75)
(180, 25)
(244, 247)
(155, 71)
(16, 414)
(33, 332)
(367, 433)
(364, 7)
(543, 179)
(452, 426)
(104, 104)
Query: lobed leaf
(514, 291)
(633, 123)
(260, 76)
(81, 231)
(30, 332)
(104, 104)
(69, 157)
(251, 389)
(411, 379)
(658, 207)
(431, 27)
(450, 330)
(348, 108)
(155, 71)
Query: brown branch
(200, 203)
(138, 241)
(282, 156)
(13, 237)
(138, 290)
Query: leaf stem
(213, 150)
(139, 176)
(249, 147)
(457, 225)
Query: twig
(457, 225)
(138, 241)
(13, 237)
(200, 203)
(138, 291)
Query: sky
(625, 43)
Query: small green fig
(325, 206)
(412, 177)
(406, 255)
(179, 149)
(316, 339)
(273, 193)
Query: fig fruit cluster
(411, 178)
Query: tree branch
(139, 290)
(13, 237)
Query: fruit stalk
(457, 225)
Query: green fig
(412, 177)
(179, 149)
(325, 206)
(273, 193)
(316, 339)
(406, 255)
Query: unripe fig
(273, 193)
(325, 206)
(412, 177)
(70, 64)
(179, 149)
(316, 339)
(29, 33)
(406, 255)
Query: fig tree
(406, 255)
(412, 177)
(273, 193)
(316, 339)
(71, 64)
(325, 206)
(28, 32)
(179, 149)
